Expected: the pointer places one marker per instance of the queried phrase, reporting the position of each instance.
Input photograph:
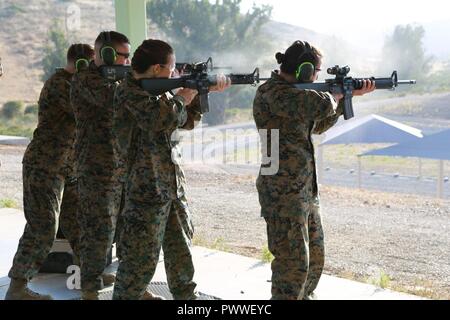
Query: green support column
(131, 20)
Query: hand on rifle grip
(188, 95)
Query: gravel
(367, 233)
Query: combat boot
(108, 279)
(89, 295)
(192, 296)
(18, 290)
(311, 296)
(151, 296)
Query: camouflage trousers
(68, 218)
(42, 196)
(297, 244)
(145, 231)
(100, 201)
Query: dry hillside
(23, 35)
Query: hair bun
(280, 57)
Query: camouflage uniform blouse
(297, 114)
(92, 100)
(144, 125)
(53, 139)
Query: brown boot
(89, 295)
(151, 296)
(18, 290)
(108, 279)
(311, 296)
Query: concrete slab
(220, 274)
(14, 141)
(12, 223)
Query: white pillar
(131, 20)
(320, 164)
(440, 186)
(420, 168)
(359, 172)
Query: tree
(198, 29)
(32, 109)
(404, 51)
(12, 109)
(55, 51)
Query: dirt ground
(367, 234)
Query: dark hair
(149, 53)
(298, 53)
(114, 37)
(80, 51)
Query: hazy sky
(363, 22)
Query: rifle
(115, 72)
(199, 80)
(345, 85)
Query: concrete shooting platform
(218, 274)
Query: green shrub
(12, 109)
(55, 50)
(266, 255)
(12, 10)
(8, 203)
(32, 109)
(18, 131)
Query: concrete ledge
(220, 274)
(14, 141)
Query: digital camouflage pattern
(46, 166)
(297, 114)
(96, 171)
(297, 245)
(68, 218)
(156, 213)
(55, 134)
(290, 199)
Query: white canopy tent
(367, 130)
(436, 146)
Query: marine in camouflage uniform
(96, 171)
(290, 199)
(45, 170)
(156, 213)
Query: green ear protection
(107, 52)
(81, 62)
(305, 70)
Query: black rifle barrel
(157, 86)
(407, 81)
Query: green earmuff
(81, 64)
(306, 69)
(108, 55)
(305, 72)
(107, 52)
